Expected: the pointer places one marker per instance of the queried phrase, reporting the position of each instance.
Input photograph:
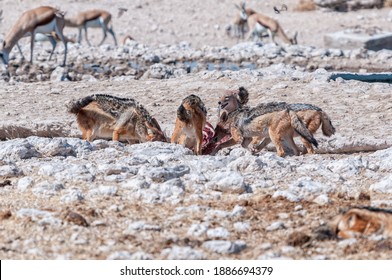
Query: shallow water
(366, 77)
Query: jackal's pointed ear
(243, 95)
(223, 117)
(351, 220)
(156, 128)
(156, 123)
(152, 125)
(238, 7)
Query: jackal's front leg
(238, 137)
(87, 135)
(199, 142)
(199, 126)
(175, 135)
(256, 146)
(264, 143)
(277, 138)
(293, 146)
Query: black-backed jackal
(107, 116)
(362, 221)
(190, 121)
(312, 116)
(270, 120)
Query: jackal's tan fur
(312, 116)
(270, 120)
(107, 116)
(363, 221)
(190, 121)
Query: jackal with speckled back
(312, 116)
(121, 119)
(273, 121)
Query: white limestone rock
(182, 253)
(225, 181)
(224, 247)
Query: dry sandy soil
(127, 213)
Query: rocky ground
(65, 198)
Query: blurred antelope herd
(47, 24)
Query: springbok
(259, 23)
(92, 18)
(239, 23)
(44, 20)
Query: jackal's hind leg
(276, 138)
(308, 146)
(252, 144)
(312, 126)
(87, 135)
(175, 136)
(292, 145)
(116, 134)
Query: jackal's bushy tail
(301, 129)
(327, 127)
(75, 106)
